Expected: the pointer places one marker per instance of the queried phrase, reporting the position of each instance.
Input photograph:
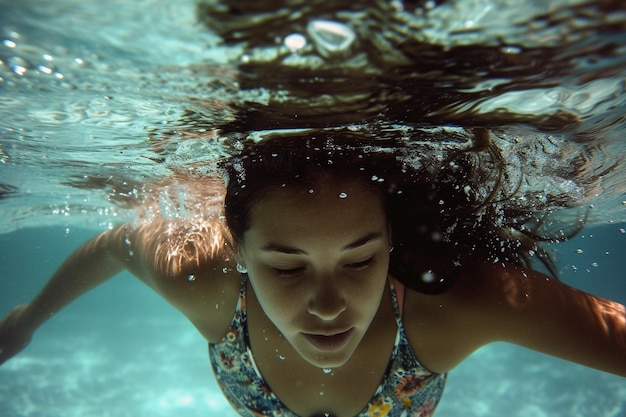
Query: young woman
(346, 270)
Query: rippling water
(100, 100)
(107, 104)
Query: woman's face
(318, 264)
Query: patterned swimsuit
(407, 389)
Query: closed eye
(357, 266)
(287, 273)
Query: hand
(14, 335)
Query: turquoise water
(120, 351)
(100, 102)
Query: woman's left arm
(521, 306)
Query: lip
(329, 342)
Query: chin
(325, 361)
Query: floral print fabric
(408, 389)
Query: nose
(327, 301)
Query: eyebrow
(273, 247)
(363, 241)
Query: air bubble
(18, 65)
(511, 50)
(327, 370)
(343, 195)
(428, 276)
(295, 42)
(331, 38)
(44, 69)
(191, 277)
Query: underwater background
(98, 100)
(121, 351)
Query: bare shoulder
(504, 302)
(191, 267)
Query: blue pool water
(122, 351)
(98, 99)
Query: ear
(241, 263)
(240, 256)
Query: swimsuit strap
(241, 307)
(397, 297)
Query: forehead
(327, 193)
(331, 208)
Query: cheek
(370, 291)
(279, 302)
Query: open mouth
(329, 342)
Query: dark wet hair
(299, 163)
(437, 213)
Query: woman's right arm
(89, 266)
(193, 270)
